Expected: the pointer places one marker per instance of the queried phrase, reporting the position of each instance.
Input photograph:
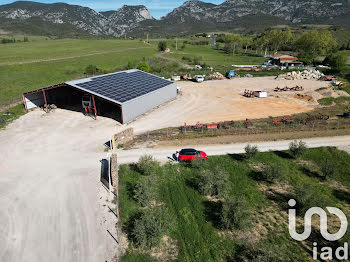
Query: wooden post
(47, 109)
(95, 111)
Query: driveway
(53, 207)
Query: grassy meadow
(231, 207)
(22, 68)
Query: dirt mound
(304, 97)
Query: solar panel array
(124, 86)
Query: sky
(158, 8)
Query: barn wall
(34, 100)
(143, 104)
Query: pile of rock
(297, 75)
(215, 76)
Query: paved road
(164, 154)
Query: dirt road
(53, 207)
(165, 154)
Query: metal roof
(121, 87)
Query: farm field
(22, 68)
(194, 224)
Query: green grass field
(194, 220)
(213, 57)
(64, 60)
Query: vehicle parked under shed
(122, 96)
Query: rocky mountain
(82, 19)
(128, 18)
(193, 16)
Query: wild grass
(197, 226)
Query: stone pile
(298, 75)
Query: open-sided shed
(123, 95)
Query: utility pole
(147, 39)
(125, 35)
(176, 43)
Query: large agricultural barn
(122, 96)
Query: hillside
(191, 17)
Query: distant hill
(193, 16)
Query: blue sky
(157, 7)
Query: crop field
(231, 207)
(31, 65)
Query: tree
(328, 167)
(143, 66)
(235, 214)
(251, 151)
(147, 165)
(162, 46)
(313, 43)
(231, 42)
(337, 61)
(214, 182)
(297, 149)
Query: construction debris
(215, 76)
(248, 75)
(298, 75)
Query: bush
(162, 46)
(251, 151)
(143, 66)
(149, 228)
(145, 190)
(214, 182)
(297, 149)
(273, 172)
(337, 62)
(235, 214)
(131, 64)
(91, 70)
(307, 196)
(147, 165)
(328, 168)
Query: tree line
(308, 45)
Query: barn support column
(47, 109)
(95, 111)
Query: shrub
(149, 228)
(145, 190)
(91, 70)
(143, 66)
(131, 64)
(307, 196)
(273, 172)
(251, 151)
(297, 149)
(328, 167)
(235, 214)
(147, 165)
(162, 46)
(214, 182)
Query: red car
(190, 154)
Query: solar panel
(122, 86)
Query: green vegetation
(162, 46)
(143, 66)
(297, 149)
(28, 66)
(11, 114)
(251, 151)
(206, 225)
